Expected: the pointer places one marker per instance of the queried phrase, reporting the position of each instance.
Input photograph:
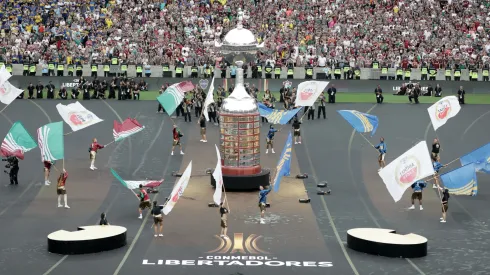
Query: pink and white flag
(127, 128)
(4, 75)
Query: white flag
(209, 99)
(76, 116)
(8, 93)
(4, 75)
(413, 165)
(178, 190)
(443, 110)
(309, 91)
(218, 178)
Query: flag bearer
(156, 211)
(144, 201)
(437, 166)
(263, 202)
(176, 136)
(224, 220)
(382, 152)
(94, 147)
(417, 187)
(270, 139)
(61, 189)
(47, 170)
(444, 201)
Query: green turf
(368, 98)
(359, 98)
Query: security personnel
(268, 71)
(32, 69)
(309, 72)
(107, 69)
(474, 74)
(139, 71)
(346, 71)
(290, 71)
(179, 71)
(259, 70)
(207, 71)
(79, 69)
(484, 73)
(384, 73)
(337, 72)
(94, 68)
(166, 70)
(448, 73)
(375, 65)
(277, 72)
(194, 71)
(124, 70)
(423, 73)
(51, 68)
(60, 69)
(399, 73)
(8, 66)
(25, 72)
(432, 74)
(457, 75)
(357, 73)
(114, 61)
(71, 69)
(408, 73)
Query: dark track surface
(28, 213)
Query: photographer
(13, 164)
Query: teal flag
(51, 141)
(17, 142)
(173, 96)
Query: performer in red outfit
(47, 170)
(94, 147)
(144, 201)
(61, 190)
(176, 136)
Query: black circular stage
(245, 183)
(88, 239)
(385, 242)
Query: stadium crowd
(395, 33)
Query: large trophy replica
(239, 118)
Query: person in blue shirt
(263, 201)
(270, 139)
(382, 152)
(418, 187)
(437, 166)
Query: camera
(11, 162)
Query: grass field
(361, 98)
(368, 98)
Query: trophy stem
(239, 77)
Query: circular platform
(244, 183)
(88, 239)
(385, 242)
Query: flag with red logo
(178, 190)
(127, 128)
(413, 165)
(76, 116)
(443, 110)
(8, 93)
(4, 75)
(309, 91)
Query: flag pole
(226, 198)
(451, 161)
(366, 139)
(69, 133)
(109, 143)
(4, 108)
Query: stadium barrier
(343, 86)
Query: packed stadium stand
(320, 32)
